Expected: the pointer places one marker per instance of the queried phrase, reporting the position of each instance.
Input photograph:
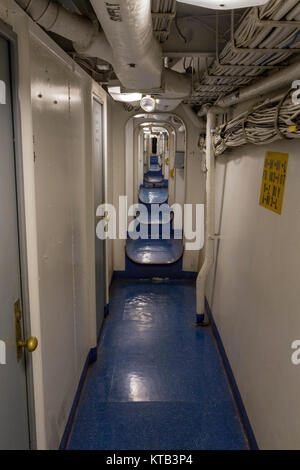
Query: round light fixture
(226, 4)
(148, 103)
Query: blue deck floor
(159, 383)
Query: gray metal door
(99, 199)
(14, 432)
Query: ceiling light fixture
(226, 4)
(115, 92)
(148, 103)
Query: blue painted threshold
(154, 271)
(161, 184)
(155, 167)
(156, 252)
(154, 178)
(155, 218)
(153, 195)
(159, 383)
(154, 160)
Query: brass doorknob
(31, 344)
(105, 217)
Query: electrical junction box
(179, 160)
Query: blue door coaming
(153, 195)
(157, 252)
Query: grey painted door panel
(14, 432)
(99, 199)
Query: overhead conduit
(137, 54)
(138, 59)
(127, 42)
(201, 316)
(81, 31)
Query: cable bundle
(249, 34)
(162, 24)
(264, 123)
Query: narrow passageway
(149, 227)
(159, 382)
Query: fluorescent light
(115, 92)
(148, 104)
(226, 4)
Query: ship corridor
(149, 225)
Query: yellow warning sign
(273, 181)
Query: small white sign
(2, 92)
(2, 353)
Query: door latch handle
(31, 343)
(105, 217)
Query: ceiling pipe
(175, 85)
(83, 33)
(138, 57)
(199, 123)
(279, 80)
(127, 42)
(137, 54)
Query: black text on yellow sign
(273, 181)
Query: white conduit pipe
(132, 50)
(279, 80)
(201, 317)
(137, 54)
(81, 31)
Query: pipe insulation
(127, 42)
(137, 54)
(83, 33)
(279, 80)
(175, 86)
(209, 219)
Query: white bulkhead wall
(56, 114)
(253, 290)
